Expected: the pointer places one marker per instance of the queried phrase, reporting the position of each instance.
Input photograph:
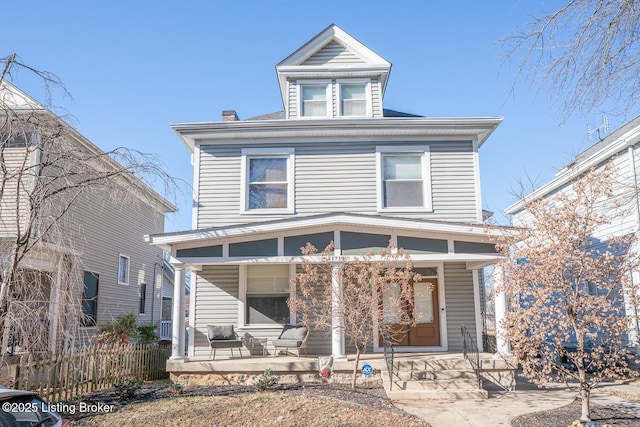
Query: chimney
(229, 116)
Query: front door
(426, 332)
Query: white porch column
(337, 333)
(177, 336)
(500, 296)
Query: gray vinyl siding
(336, 177)
(459, 302)
(376, 98)
(103, 229)
(333, 53)
(216, 302)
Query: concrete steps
(434, 378)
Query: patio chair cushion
(222, 332)
(291, 336)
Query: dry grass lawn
(255, 409)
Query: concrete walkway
(502, 407)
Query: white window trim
(242, 300)
(249, 153)
(367, 95)
(329, 96)
(425, 153)
(120, 257)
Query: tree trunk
(584, 395)
(355, 368)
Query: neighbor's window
(404, 179)
(268, 180)
(353, 99)
(313, 100)
(267, 292)
(90, 299)
(143, 298)
(123, 270)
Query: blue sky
(135, 67)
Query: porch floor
(293, 364)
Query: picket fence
(64, 376)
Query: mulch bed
(374, 398)
(566, 415)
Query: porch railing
(165, 329)
(470, 351)
(388, 356)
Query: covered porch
(240, 275)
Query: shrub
(267, 380)
(147, 334)
(127, 387)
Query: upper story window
(355, 98)
(404, 178)
(314, 98)
(267, 176)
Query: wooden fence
(63, 376)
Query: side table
(258, 341)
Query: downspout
(153, 294)
(631, 152)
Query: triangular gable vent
(334, 53)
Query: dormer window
(314, 97)
(355, 98)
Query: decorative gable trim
(332, 54)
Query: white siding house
(333, 166)
(622, 147)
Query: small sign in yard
(367, 369)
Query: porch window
(404, 178)
(90, 299)
(266, 295)
(268, 180)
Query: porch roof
(456, 242)
(385, 223)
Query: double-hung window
(404, 181)
(267, 176)
(123, 270)
(355, 98)
(266, 294)
(314, 97)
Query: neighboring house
(623, 148)
(120, 272)
(335, 165)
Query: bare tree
(375, 292)
(567, 319)
(587, 51)
(47, 170)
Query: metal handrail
(471, 352)
(388, 356)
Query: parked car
(27, 409)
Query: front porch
(445, 374)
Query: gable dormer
(333, 76)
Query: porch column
(337, 333)
(177, 336)
(501, 307)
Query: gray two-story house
(335, 165)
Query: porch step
(448, 374)
(433, 378)
(437, 385)
(437, 394)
